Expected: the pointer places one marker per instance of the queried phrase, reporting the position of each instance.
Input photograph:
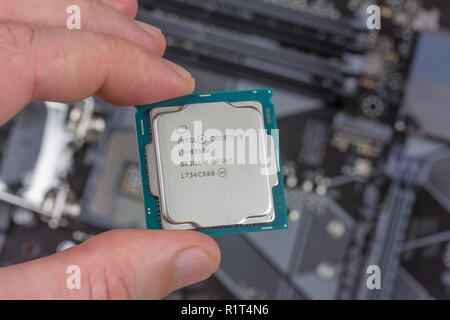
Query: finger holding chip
(55, 64)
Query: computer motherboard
(363, 115)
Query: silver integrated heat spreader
(211, 164)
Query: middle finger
(95, 16)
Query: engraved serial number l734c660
(197, 174)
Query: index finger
(56, 64)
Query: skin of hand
(119, 60)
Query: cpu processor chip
(210, 162)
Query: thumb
(118, 264)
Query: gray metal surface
(219, 190)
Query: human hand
(120, 61)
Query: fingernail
(192, 265)
(154, 31)
(181, 71)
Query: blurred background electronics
(364, 135)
